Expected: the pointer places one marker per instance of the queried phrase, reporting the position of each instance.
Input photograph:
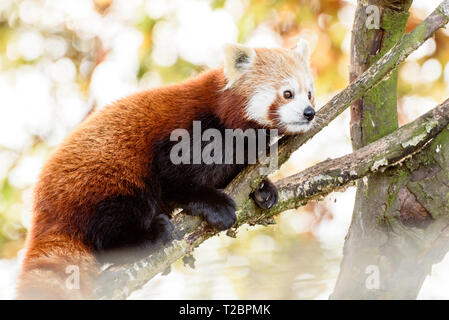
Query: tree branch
(375, 114)
(118, 282)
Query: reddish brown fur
(110, 154)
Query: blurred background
(61, 59)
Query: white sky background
(44, 99)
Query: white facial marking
(291, 115)
(259, 105)
(292, 84)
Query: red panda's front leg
(215, 206)
(218, 208)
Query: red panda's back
(106, 155)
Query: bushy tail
(57, 267)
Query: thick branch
(119, 281)
(383, 196)
(375, 114)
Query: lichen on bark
(400, 214)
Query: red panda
(110, 186)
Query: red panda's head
(276, 83)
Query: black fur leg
(126, 228)
(266, 195)
(158, 234)
(123, 221)
(220, 215)
(213, 205)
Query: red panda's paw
(266, 195)
(219, 212)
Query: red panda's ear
(303, 49)
(237, 59)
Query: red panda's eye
(288, 94)
(309, 94)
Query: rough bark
(375, 114)
(399, 241)
(372, 116)
(392, 231)
(119, 281)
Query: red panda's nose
(309, 113)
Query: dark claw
(266, 195)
